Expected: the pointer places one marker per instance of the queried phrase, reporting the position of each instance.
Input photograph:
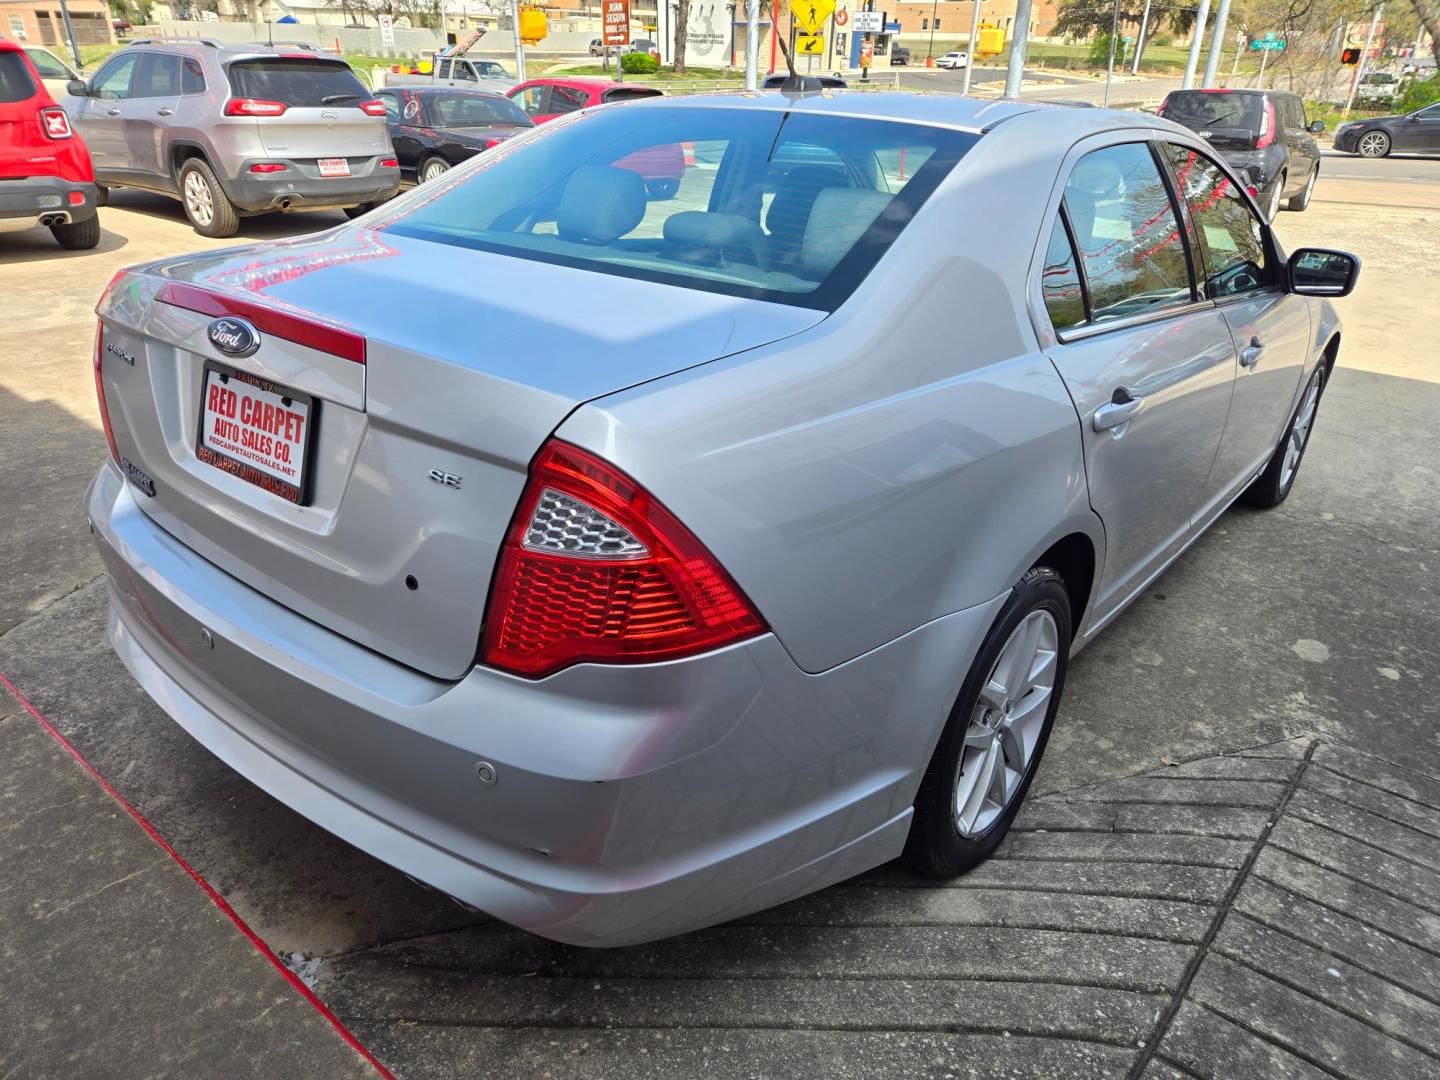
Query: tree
(1085, 18)
(682, 33)
(1428, 12)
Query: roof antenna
(796, 83)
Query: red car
(45, 174)
(662, 166)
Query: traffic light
(1349, 56)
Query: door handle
(1117, 411)
(1250, 356)
(165, 112)
(114, 112)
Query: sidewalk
(114, 962)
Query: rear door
(1270, 327)
(144, 115)
(1148, 363)
(535, 100)
(1300, 145)
(1420, 131)
(322, 117)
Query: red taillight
(244, 106)
(100, 389)
(1267, 127)
(594, 569)
(1254, 192)
(490, 144)
(54, 122)
(77, 198)
(312, 333)
(267, 167)
(374, 108)
(389, 163)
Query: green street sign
(1266, 44)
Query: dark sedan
(1414, 133)
(436, 128)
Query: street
(1287, 646)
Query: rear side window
(464, 109)
(16, 82)
(1129, 240)
(1230, 234)
(1060, 280)
(192, 78)
(564, 99)
(303, 84)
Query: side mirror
(1316, 127)
(77, 88)
(1322, 272)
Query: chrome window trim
(1095, 329)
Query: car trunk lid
(419, 454)
(322, 117)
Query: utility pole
(935, 10)
(1260, 79)
(752, 42)
(970, 45)
(1217, 43)
(70, 34)
(1140, 39)
(1193, 60)
(1110, 66)
(519, 45)
(1015, 72)
(1360, 67)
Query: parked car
(1378, 87)
(234, 130)
(457, 71)
(1417, 132)
(120, 26)
(597, 46)
(642, 45)
(45, 175)
(1263, 134)
(953, 60)
(759, 605)
(54, 72)
(828, 82)
(433, 129)
(899, 56)
(661, 165)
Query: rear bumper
(300, 187)
(24, 202)
(628, 804)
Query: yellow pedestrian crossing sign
(809, 44)
(810, 16)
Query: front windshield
(791, 207)
(474, 110)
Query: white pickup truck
(459, 71)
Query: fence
(365, 41)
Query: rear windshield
(473, 110)
(629, 94)
(794, 208)
(16, 82)
(300, 83)
(1199, 109)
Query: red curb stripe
(205, 887)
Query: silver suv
(235, 130)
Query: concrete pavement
(1126, 896)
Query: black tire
(224, 221)
(434, 161)
(78, 235)
(1302, 200)
(1277, 196)
(935, 847)
(102, 195)
(1273, 486)
(352, 212)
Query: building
(951, 18)
(40, 23)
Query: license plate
(333, 166)
(255, 429)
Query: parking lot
(1229, 866)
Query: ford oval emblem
(234, 337)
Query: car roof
(251, 50)
(6, 45)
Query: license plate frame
(333, 167)
(298, 492)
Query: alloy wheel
(198, 200)
(1374, 144)
(1300, 431)
(434, 169)
(1006, 725)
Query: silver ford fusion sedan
(619, 565)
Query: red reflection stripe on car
(312, 333)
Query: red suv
(45, 174)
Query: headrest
(699, 228)
(600, 204)
(838, 218)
